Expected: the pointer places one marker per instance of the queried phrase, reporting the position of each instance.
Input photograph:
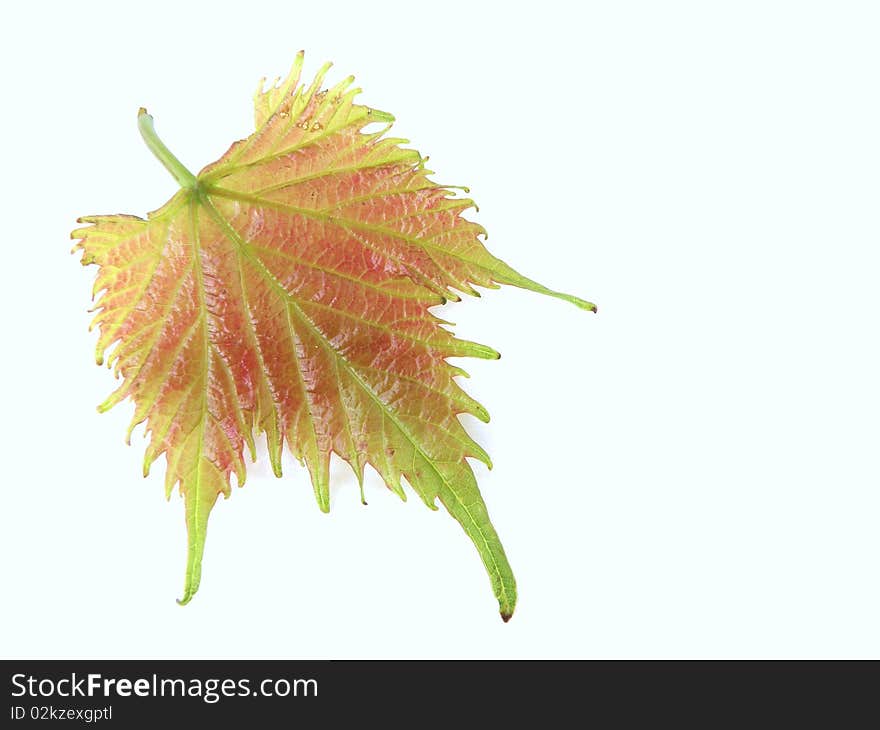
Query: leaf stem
(183, 176)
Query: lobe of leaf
(285, 290)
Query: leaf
(285, 291)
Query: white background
(693, 472)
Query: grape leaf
(286, 290)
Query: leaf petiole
(183, 176)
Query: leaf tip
(475, 349)
(577, 301)
(377, 115)
(506, 615)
